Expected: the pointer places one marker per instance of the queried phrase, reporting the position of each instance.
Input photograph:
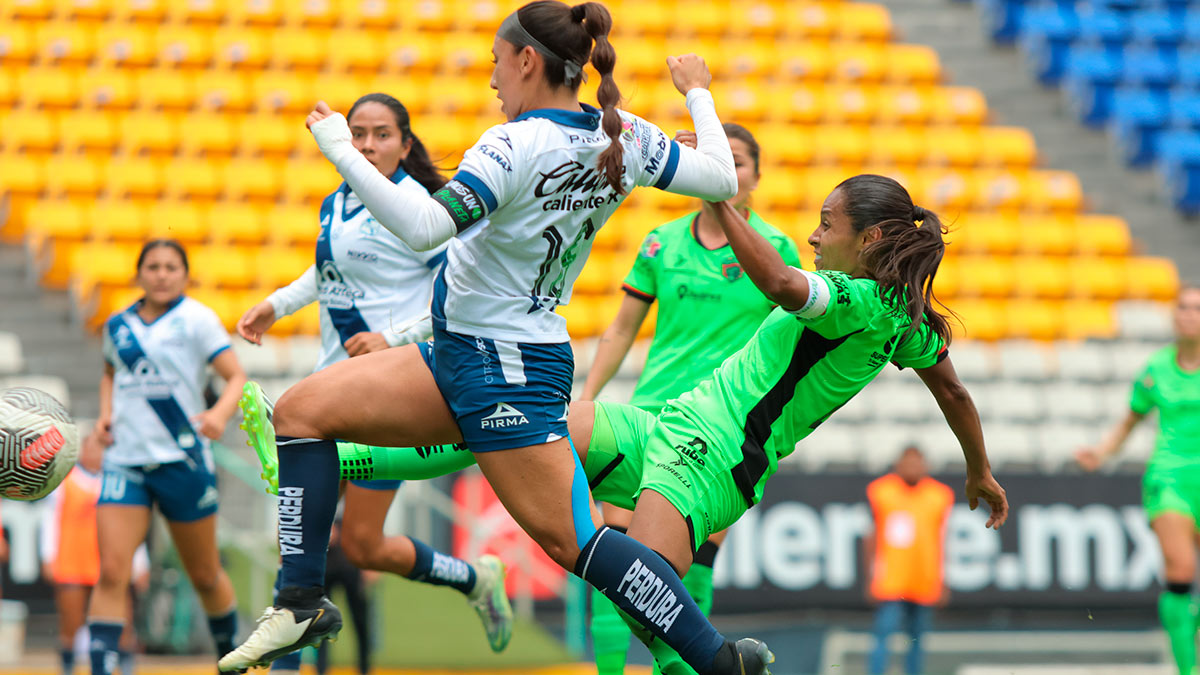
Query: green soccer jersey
(796, 372)
(707, 307)
(1176, 395)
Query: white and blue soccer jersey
(159, 373)
(367, 279)
(537, 180)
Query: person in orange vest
(70, 555)
(904, 554)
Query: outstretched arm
(958, 408)
(1094, 457)
(783, 284)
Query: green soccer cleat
(490, 601)
(257, 410)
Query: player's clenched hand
(1089, 459)
(986, 488)
(319, 112)
(365, 343)
(331, 132)
(256, 322)
(209, 425)
(689, 72)
(685, 137)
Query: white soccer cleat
(283, 630)
(490, 601)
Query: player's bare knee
(292, 414)
(360, 548)
(561, 548)
(205, 580)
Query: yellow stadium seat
(296, 224)
(339, 91)
(154, 133)
(640, 59)
(979, 320)
(942, 191)
(435, 16)
(283, 93)
(120, 220)
(987, 277)
(1151, 278)
(110, 89)
(912, 64)
(859, 21)
(1103, 235)
(135, 178)
(787, 143)
(208, 134)
(204, 12)
(958, 105)
(62, 43)
(256, 12)
(809, 21)
(840, 145)
(446, 135)
(999, 190)
(705, 18)
(904, 146)
(354, 50)
(744, 101)
(81, 177)
(852, 104)
(312, 13)
(279, 266)
(601, 275)
(1011, 147)
(254, 180)
(1047, 236)
(126, 46)
(227, 92)
(1033, 320)
(371, 13)
(860, 62)
(776, 191)
(8, 91)
(412, 53)
(28, 10)
(57, 220)
(165, 90)
(948, 280)
(177, 220)
(986, 234)
(29, 132)
(583, 315)
(802, 104)
(1055, 191)
(814, 185)
(48, 87)
(757, 19)
(231, 222)
(269, 135)
(1085, 319)
(651, 19)
(17, 46)
(1040, 277)
(103, 264)
(903, 105)
(953, 146)
(88, 10)
(310, 182)
(297, 48)
(140, 11)
(221, 302)
(189, 179)
(222, 267)
(1097, 278)
(241, 48)
(468, 54)
(190, 47)
(805, 61)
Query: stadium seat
(17, 46)
(805, 61)
(65, 44)
(1059, 441)
(57, 220)
(276, 267)
(236, 223)
(78, 177)
(196, 180)
(988, 277)
(370, 14)
(903, 146)
(1151, 278)
(221, 267)
(30, 132)
(199, 12)
(986, 233)
(282, 93)
(830, 445)
(152, 133)
(269, 135)
(297, 48)
(1103, 235)
(1012, 402)
(108, 90)
(858, 62)
(1047, 236)
(241, 48)
(49, 87)
(954, 146)
(1045, 278)
(912, 64)
(958, 105)
(354, 50)
(186, 47)
(227, 92)
(140, 11)
(126, 46)
(1054, 191)
(1083, 319)
(853, 104)
(9, 96)
(120, 220)
(167, 90)
(312, 13)
(1033, 319)
(903, 400)
(136, 178)
(979, 320)
(1025, 360)
(254, 180)
(861, 21)
(258, 13)
(1011, 147)
(177, 220)
(208, 134)
(1143, 320)
(809, 21)
(296, 224)
(88, 131)
(22, 176)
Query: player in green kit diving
(1170, 383)
(706, 458)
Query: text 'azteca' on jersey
(367, 279)
(538, 181)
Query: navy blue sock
(308, 495)
(105, 641)
(439, 569)
(126, 659)
(645, 586)
(224, 630)
(66, 660)
(289, 662)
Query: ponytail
(597, 21)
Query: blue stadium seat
(1090, 80)
(1158, 28)
(1046, 37)
(1137, 118)
(1179, 165)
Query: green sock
(610, 636)
(666, 660)
(372, 462)
(1177, 612)
(698, 581)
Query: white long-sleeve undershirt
(297, 295)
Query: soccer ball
(38, 443)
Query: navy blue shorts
(184, 491)
(378, 484)
(503, 394)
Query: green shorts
(694, 474)
(614, 457)
(1172, 491)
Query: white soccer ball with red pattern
(38, 443)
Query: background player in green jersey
(707, 310)
(1170, 382)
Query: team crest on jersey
(651, 247)
(731, 269)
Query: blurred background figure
(904, 555)
(339, 571)
(70, 556)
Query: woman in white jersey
(498, 373)
(154, 421)
(374, 293)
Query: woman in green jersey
(1170, 382)
(708, 309)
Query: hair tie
(919, 214)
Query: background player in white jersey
(368, 282)
(499, 371)
(157, 429)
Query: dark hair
(417, 164)
(163, 243)
(733, 130)
(905, 259)
(570, 33)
